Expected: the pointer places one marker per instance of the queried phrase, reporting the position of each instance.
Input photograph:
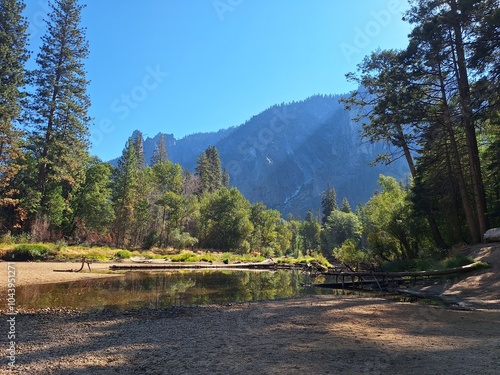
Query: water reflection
(159, 290)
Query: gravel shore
(324, 334)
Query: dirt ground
(320, 335)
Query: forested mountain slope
(289, 154)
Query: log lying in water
(265, 265)
(448, 271)
(394, 277)
(351, 284)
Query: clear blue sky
(187, 66)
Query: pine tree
(92, 205)
(139, 148)
(59, 106)
(13, 56)
(329, 203)
(209, 170)
(452, 29)
(125, 182)
(226, 179)
(160, 153)
(345, 207)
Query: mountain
(289, 154)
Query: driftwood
(394, 277)
(354, 283)
(268, 265)
(448, 271)
(84, 260)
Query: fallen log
(448, 271)
(350, 284)
(265, 265)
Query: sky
(187, 66)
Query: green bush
(123, 254)
(28, 252)
(183, 240)
(457, 261)
(349, 254)
(267, 252)
(185, 257)
(208, 258)
(9, 239)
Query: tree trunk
(436, 234)
(470, 131)
(455, 217)
(455, 157)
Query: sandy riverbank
(320, 334)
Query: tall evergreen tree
(13, 56)
(452, 27)
(125, 183)
(329, 203)
(139, 148)
(59, 106)
(345, 207)
(93, 207)
(160, 153)
(209, 170)
(226, 179)
(390, 97)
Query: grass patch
(123, 254)
(28, 252)
(456, 261)
(184, 257)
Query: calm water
(159, 290)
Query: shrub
(208, 258)
(123, 254)
(28, 252)
(267, 252)
(348, 253)
(321, 259)
(457, 261)
(7, 239)
(61, 244)
(244, 248)
(183, 240)
(185, 257)
(97, 255)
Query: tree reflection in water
(159, 290)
